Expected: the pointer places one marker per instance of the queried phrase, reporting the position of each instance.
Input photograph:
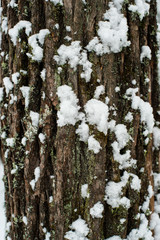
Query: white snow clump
(68, 113)
(141, 7)
(13, 32)
(84, 191)
(79, 230)
(34, 41)
(35, 118)
(112, 33)
(146, 53)
(25, 92)
(74, 55)
(96, 210)
(97, 114)
(114, 194)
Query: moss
(57, 79)
(4, 67)
(115, 227)
(53, 234)
(26, 11)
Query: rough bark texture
(65, 162)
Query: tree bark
(64, 161)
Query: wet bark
(65, 162)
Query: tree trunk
(53, 176)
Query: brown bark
(65, 162)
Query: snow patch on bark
(97, 210)
(79, 230)
(141, 7)
(2, 203)
(13, 32)
(35, 41)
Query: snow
(35, 118)
(99, 91)
(8, 84)
(50, 199)
(84, 1)
(68, 38)
(84, 191)
(147, 80)
(107, 100)
(135, 182)
(55, 2)
(156, 137)
(74, 55)
(14, 170)
(4, 25)
(129, 117)
(122, 135)
(124, 160)
(155, 225)
(12, 99)
(6, 153)
(47, 236)
(69, 53)
(41, 137)
(145, 109)
(1, 94)
(146, 112)
(59, 70)
(15, 77)
(93, 145)
(112, 33)
(158, 40)
(13, 32)
(123, 220)
(118, 4)
(96, 210)
(3, 135)
(23, 141)
(25, 92)
(10, 142)
(43, 74)
(34, 41)
(37, 175)
(87, 66)
(145, 53)
(114, 238)
(123, 138)
(117, 89)
(158, 11)
(134, 82)
(68, 113)
(156, 181)
(2, 203)
(155, 219)
(83, 131)
(12, 4)
(68, 28)
(23, 72)
(32, 183)
(114, 194)
(79, 230)
(2, 117)
(24, 219)
(141, 7)
(97, 114)
(56, 26)
(143, 232)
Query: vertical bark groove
(64, 161)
